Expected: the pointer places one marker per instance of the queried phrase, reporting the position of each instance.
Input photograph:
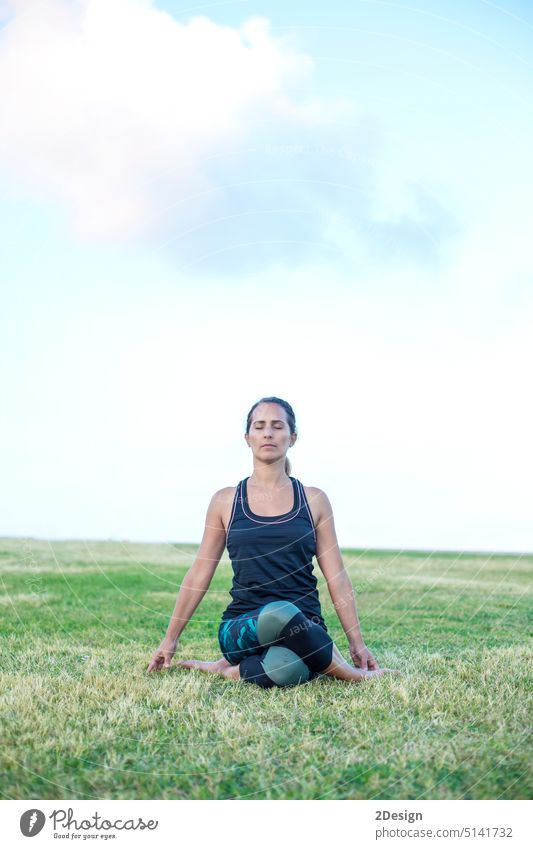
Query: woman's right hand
(162, 658)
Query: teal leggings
(276, 645)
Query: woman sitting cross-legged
(272, 633)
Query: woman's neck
(269, 477)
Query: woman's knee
(277, 666)
(273, 617)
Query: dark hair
(291, 419)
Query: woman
(272, 633)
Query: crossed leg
(305, 651)
(338, 668)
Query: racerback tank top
(272, 556)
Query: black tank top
(272, 556)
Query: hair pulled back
(291, 419)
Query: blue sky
(203, 204)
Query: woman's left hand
(363, 657)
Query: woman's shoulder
(317, 500)
(224, 495)
(222, 501)
(313, 491)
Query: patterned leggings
(276, 645)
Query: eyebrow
(274, 421)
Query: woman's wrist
(355, 640)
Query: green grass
(82, 718)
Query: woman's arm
(339, 584)
(198, 578)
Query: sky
(203, 204)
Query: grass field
(81, 718)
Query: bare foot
(205, 665)
(375, 673)
(220, 667)
(341, 669)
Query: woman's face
(269, 435)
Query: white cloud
(204, 138)
(112, 107)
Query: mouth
(268, 446)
